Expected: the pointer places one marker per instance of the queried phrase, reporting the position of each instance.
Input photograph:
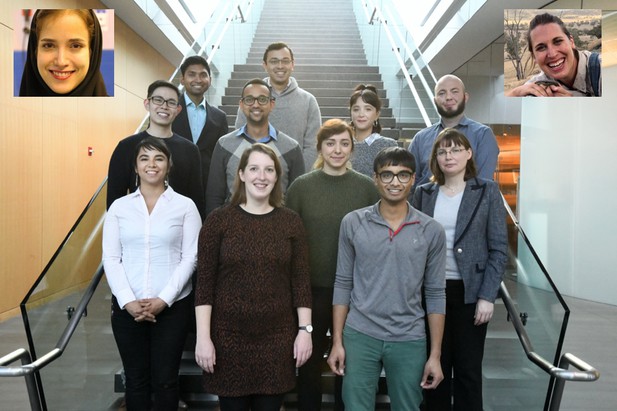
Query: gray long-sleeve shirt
(380, 273)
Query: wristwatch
(308, 328)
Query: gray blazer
(481, 237)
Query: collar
(369, 140)
(464, 121)
(189, 103)
(167, 194)
(289, 82)
(271, 134)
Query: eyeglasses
(250, 100)
(454, 152)
(276, 62)
(159, 101)
(387, 177)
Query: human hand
(137, 310)
(432, 375)
(484, 312)
(153, 305)
(205, 354)
(303, 347)
(336, 359)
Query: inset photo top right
(552, 53)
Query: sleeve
(497, 242)
(295, 160)
(414, 149)
(208, 252)
(416, 201)
(435, 271)
(309, 142)
(197, 187)
(118, 175)
(188, 260)
(292, 197)
(216, 191)
(300, 274)
(240, 119)
(343, 281)
(486, 153)
(112, 260)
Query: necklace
(454, 189)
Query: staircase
(328, 52)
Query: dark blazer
(215, 127)
(480, 239)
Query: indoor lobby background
(566, 197)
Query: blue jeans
(365, 357)
(151, 354)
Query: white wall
(568, 196)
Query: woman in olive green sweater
(323, 197)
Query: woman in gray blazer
(474, 218)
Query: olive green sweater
(322, 201)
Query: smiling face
(450, 97)
(152, 167)
(394, 192)
(259, 176)
(336, 151)
(553, 51)
(162, 115)
(63, 51)
(363, 116)
(279, 65)
(256, 113)
(196, 81)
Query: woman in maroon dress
(253, 278)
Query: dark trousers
(309, 375)
(462, 351)
(252, 402)
(151, 354)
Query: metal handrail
(30, 368)
(561, 374)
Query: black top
(184, 177)
(32, 84)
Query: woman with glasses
(253, 296)
(365, 107)
(472, 213)
(149, 254)
(322, 198)
(65, 49)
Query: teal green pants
(365, 356)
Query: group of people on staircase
(378, 257)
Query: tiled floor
(84, 382)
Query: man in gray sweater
(388, 253)
(256, 103)
(296, 112)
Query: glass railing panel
(58, 290)
(511, 381)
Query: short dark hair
(450, 137)
(162, 83)
(153, 143)
(189, 61)
(394, 156)
(238, 195)
(544, 18)
(279, 45)
(259, 82)
(368, 94)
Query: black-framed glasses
(250, 100)
(387, 177)
(159, 101)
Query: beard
(451, 113)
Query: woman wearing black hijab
(64, 54)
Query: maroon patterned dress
(253, 270)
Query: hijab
(32, 83)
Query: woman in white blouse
(149, 254)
